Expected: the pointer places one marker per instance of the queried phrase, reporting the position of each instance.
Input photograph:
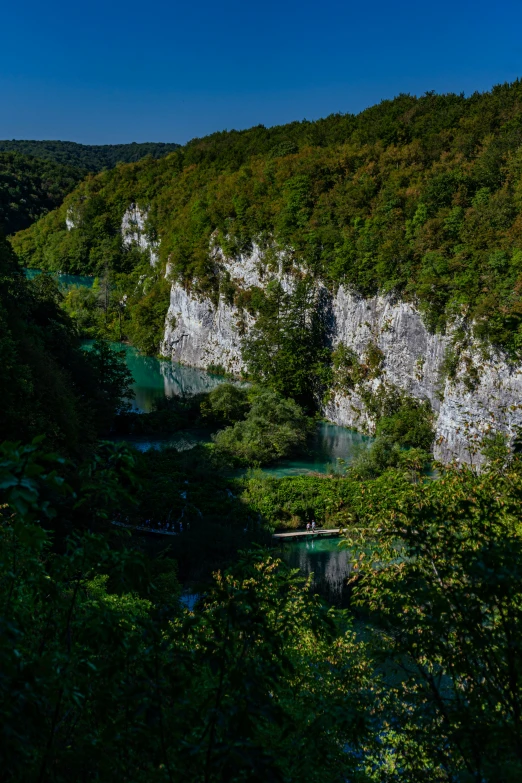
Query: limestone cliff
(134, 229)
(201, 332)
(134, 232)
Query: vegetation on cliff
(416, 195)
(29, 188)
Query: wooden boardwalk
(144, 529)
(318, 532)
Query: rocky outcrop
(201, 332)
(134, 232)
(71, 220)
(469, 410)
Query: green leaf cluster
(87, 157)
(441, 565)
(274, 427)
(419, 196)
(30, 188)
(48, 384)
(106, 677)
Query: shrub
(273, 428)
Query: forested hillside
(419, 196)
(35, 176)
(48, 385)
(89, 157)
(150, 630)
(31, 187)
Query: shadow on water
(155, 379)
(326, 561)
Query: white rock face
(200, 332)
(466, 415)
(70, 220)
(133, 231)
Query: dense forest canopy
(35, 176)
(106, 675)
(31, 187)
(89, 157)
(48, 385)
(418, 196)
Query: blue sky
(107, 72)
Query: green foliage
(495, 448)
(441, 566)
(292, 501)
(103, 681)
(417, 195)
(226, 404)
(113, 390)
(274, 428)
(286, 348)
(29, 188)
(403, 423)
(347, 371)
(410, 425)
(87, 157)
(146, 325)
(47, 384)
(122, 306)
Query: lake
(154, 379)
(64, 281)
(325, 560)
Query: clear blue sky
(106, 72)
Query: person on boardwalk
(308, 527)
(313, 525)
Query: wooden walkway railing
(317, 532)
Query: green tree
(112, 378)
(441, 566)
(286, 348)
(273, 428)
(226, 404)
(105, 677)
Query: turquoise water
(65, 281)
(155, 379)
(331, 448)
(325, 560)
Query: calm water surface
(65, 281)
(325, 560)
(332, 446)
(155, 379)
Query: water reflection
(155, 379)
(331, 449)
(186, 381)
(323, 558)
